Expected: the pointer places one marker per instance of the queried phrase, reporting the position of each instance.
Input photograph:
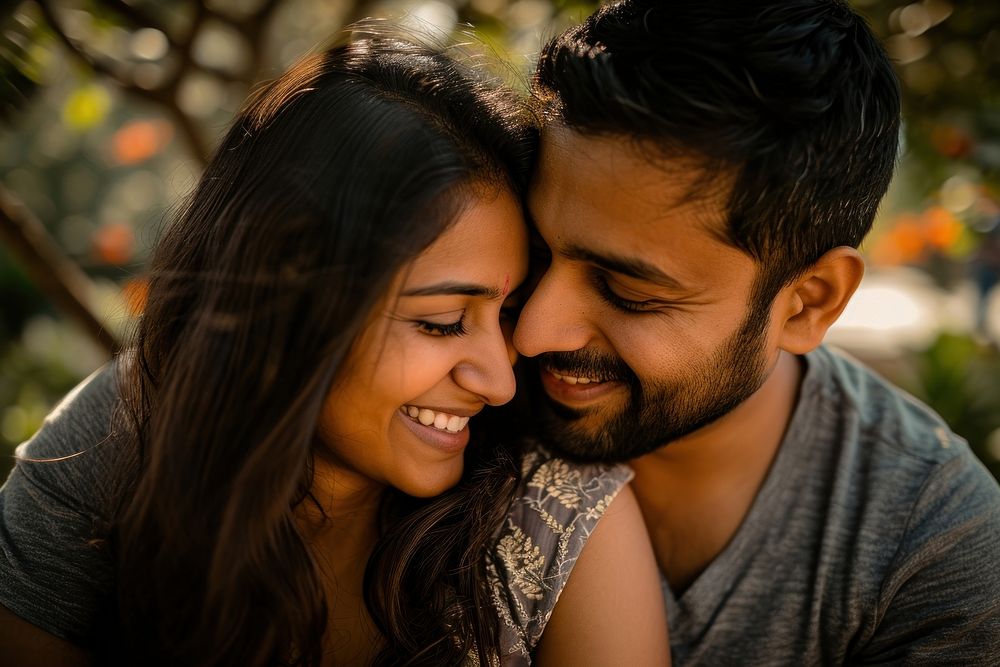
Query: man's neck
(695, 492)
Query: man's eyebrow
(449, 288)
(627, 266)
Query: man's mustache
(586, 363)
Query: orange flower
(941, 227)
(908, 238)
(114, 243)
(140, 140)
(951, 141)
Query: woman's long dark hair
(329, 181)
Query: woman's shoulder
(557, 507)
(558, 504)
(559, 482)
(54, 563)
(84, 411)
(73, 454)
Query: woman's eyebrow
(453, 288)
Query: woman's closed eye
(456, 328)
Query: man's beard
(658, 411)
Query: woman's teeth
(442, 421)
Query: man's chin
(585, 436)
(579, 425)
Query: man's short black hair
(794, 100)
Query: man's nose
(554, 317)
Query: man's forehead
(618, 177)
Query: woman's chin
(432, 485)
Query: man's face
(641, 325)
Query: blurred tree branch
(59, 278)
(52, 271)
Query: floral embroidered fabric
(557, 509)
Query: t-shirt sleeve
(940, 605)
(559, 506)
(55, 572)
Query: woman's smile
(443, 438)
(442, 420)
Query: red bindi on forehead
(506, 285)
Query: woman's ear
(814, 301)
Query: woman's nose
(488, 368)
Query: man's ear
(814, 301)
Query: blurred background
(109, 108)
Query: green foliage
(959, 378)
(947, 56)
(20, 299)
(22, 56)
(35, 372)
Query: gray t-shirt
(57, 573)
(55, 570)
(874, 539)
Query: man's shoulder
(881, 524)
(906, 477)
(923, 516)
(883, 419)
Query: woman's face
(436, 353)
